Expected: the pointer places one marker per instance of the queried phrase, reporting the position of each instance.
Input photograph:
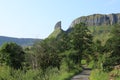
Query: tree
(81, 40)
(47, 54)
(113, 48)
(63, 42)
(116, 41)
(12, 55)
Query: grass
(98, 75)
(7, 73)
(115, 74)
(55, 33)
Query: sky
(37, 18)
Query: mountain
(19, 41)
(98, 19)
(90, 20)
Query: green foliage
(7, 73)
(113, 47)
(98, 75)
(115, 74)
(83, 62)
(101, 33)
(116, 39)
(81, 40)
(12, 55)
(61, 55)
(55, 33)
(47, 54)
(91, 64)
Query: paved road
(84, 75)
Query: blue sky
(36, 18)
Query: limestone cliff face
(98, 19)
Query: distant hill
(19, 41)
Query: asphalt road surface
(84, 75)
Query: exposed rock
(98, 19)
(57, 30)
(58, 25)
(90, 20)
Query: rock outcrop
(90, 20)
(98, 19)
(57, 30)
(58, 25)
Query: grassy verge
(97, 74)
(6, 73)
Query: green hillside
(63, 54)
(55, 33)
(101, 33)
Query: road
(84, 75)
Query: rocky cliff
(58, 25)
(57, 30)
(98, 19)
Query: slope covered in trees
(61, 56)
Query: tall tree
(113, 48)
(81, 40)
(12, 55)
(116, 40)
(47, 54)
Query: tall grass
(101, 75)
(98, 75)
(7, 73)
